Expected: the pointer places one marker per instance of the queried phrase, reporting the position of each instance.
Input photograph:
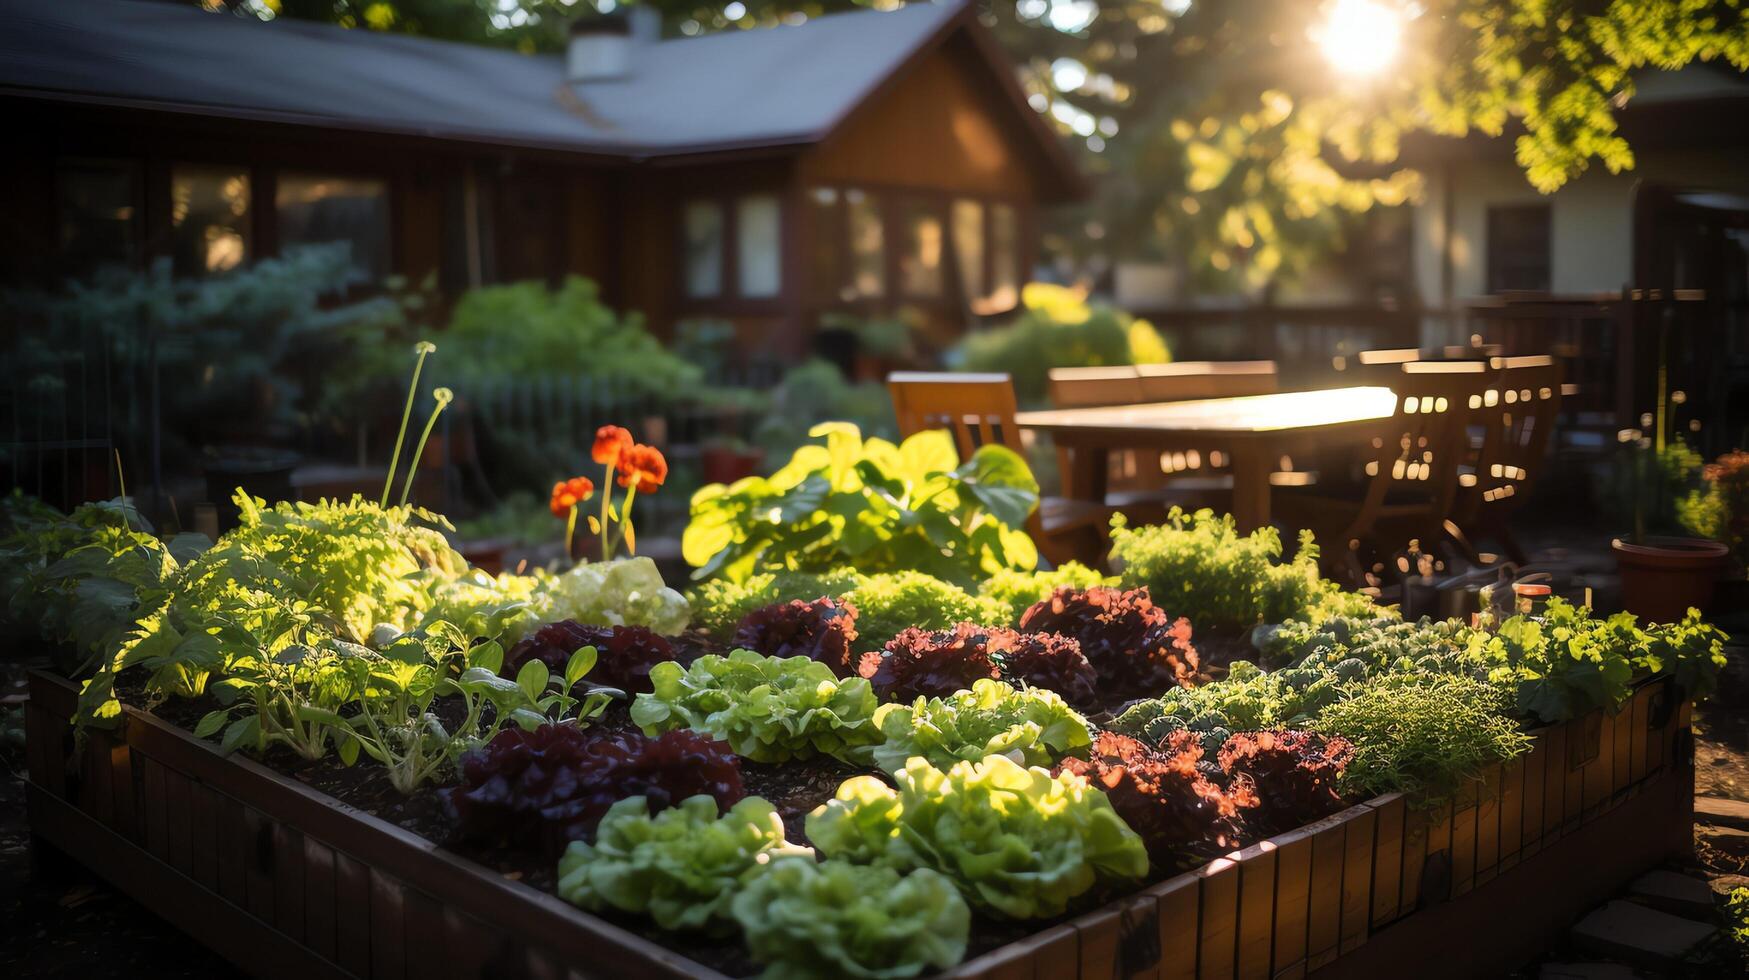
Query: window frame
(139, 179)
(729, 299)
(1495, 273)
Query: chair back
(976, 409)
(1190, 380)
(1080, 387)
(1427, 439)
(1517, 412)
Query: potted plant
(1719, 510)
(725, 459)
(1663, 575)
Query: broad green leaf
(582, 662)
(532, 679)
(211, 722)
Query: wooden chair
(1517, 414)
(978, 410)
(1189, 380)
(1412, 469)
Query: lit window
(920, 263)
(758, 246)
(315, 210)
(968, 247)
(1004, 293)
(868, 277)
(704, 249)
(98, 219)
(209, 219)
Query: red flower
(643, 464)
(569, 494)
(611, 442)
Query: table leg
(1252, 464)
(1089, 467)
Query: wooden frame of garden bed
(286, 881)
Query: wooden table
(1255, 431)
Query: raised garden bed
(285, 880)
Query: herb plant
(1018, 841)
(1034, 727)
(681, 867)
(870, 504)
(832, 918)
(767, 709)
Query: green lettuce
(1034, 727)
(681, 867)
(768, 709)
(1017, 841)
(824, 919)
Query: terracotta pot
(721, 465)
(1663, 577)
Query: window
(920, 262)
(703, 224)
(1518, 248)
(97, 215)
(314, 210)
(826, 273)
(868, 274)
(209, 219)
(758, 246)
(968, 247)
(1004, 292)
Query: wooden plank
(1637, 734)
(422, 924)
(1179, 900)
(42, 739)
(1324, 914)
(1622, 753)
(233, 851)
(352, 908)
(1511, 812)
(1218, 925)
(1293, 894)
(1488, 826)
(123, 795)
(1256, 929)
(93, 783)
(388, 959)
(1657, 709)
(178, 824)
(470, 948)
(203, 835)
(1387, 861)
(1554, 784)
(1463, 844)
(1436, 870)
(1534, 789)
(288, 878)
(1057, 952)
(1581, 748)
(1360, 840)
(1138, 941)
(1415, 820)
(154, 808)
(259, 888)
(1600, 770)
(1098, 933)
(320, 932)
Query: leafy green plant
(1562, 664)
(1737, 919)
(719, 605)
(888, 604)
(622, 592)
(767, 709)
(1377, 643)
(1034, 727)
(1226, 581)
(870, 504)
(804, 919)
(1693, 653)
(1058, 328)
(1017, 841)
(1719, 508)
(1422, 734)
(1019, 591)
(681, 867)
(1247, 699)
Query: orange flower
(645, 465)
(611, 442)
(569, 494)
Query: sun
(1360, 37)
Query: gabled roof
(768, 87)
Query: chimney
(604, 47)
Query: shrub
(1229, 582)
(804, 918)
(869, 504)
(1163, 795)
(681, 866)
(1018, 842)
(720, 605)
(817, 390)
(624, 654)
(821, 630)
(1424, 735)
(1057, 328)
(923, 664)
(1035, 727)
(768, 710)
(552, 785)
(1132, 643)
(1719, 509)
(1294, 775)
(1019, 591)
(887, 605)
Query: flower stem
(422, 349)
(606, 498)
(625, 517)
(570, 529)
(419, 451)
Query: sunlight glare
(1360, 37)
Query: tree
(1230, 133)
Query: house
(1601, 267)
(857, 163)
